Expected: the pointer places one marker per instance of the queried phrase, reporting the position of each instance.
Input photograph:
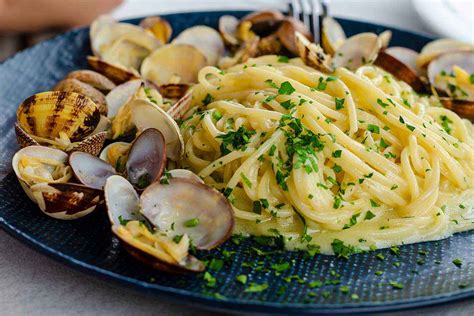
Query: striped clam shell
(47, 114)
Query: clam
(118, 74)
(332, 35)
(152, 247)
(286, 34)
(44, 175)
(405, 55)
(74, 85)
(357, 50)
(270, 45)
(90, 170)
(179, 109)
(435, 48)
(385, 38)
(312, 54)
(180, 62)
(119, 96)
(264, 22)
(450, 74)
(159, 27)
(205, 39)
(185, 174)
(104, 35)
(173, 90)
(64, 120)
(228, 28)
(147, 115)
(190, 208)
(146, 160)
(247, 50)
(92, 78)
(401, 71)
(125, 53)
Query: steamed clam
(45, 176)
(160, 28)
(64, 120)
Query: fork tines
(310, 12)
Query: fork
(311, 13)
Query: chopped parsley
(283, 59)
(352, 221)
(191, 222)
(242, 279)
(210, 280)
(445, 121)
(216, 115)
(208, 99)
(337, 153)
(369, 215)
(396, 285)
(339, 103)
(238, 140)
(457, 262)
(341, 250)
(254, 287)
(373, 128)
(286, 88)
(374, 204)
(382, 104)
(246, 180)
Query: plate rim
(206, 301)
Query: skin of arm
(36, 15)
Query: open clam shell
(357, 50)
(147, 115)
(204, 38)
(179, 109)
(385, 37)
(116, 73)
(286, 33)
(312, 54)
(189, 207)
(332, 35)
(228, 27)
(121, 95)
(43, 174)
(171, 61)
(159, 27)
(185, 174)
(123, 205)
(92, 78)
(264, 22)
(174, 90)
(74, 85)
(405, 55)
(401, 71)
(435, 48)
(146, 159)
(90, 170)
(116, 155)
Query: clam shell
(173, 60)
(125, 53)
(405, 55)
(116, 73)
(121, 95)
(357, 50)
(435, 48)
(182, 200)
(332, 35)
(92, 78)
(385, 38)
(286, 34)
(92, 144)
(312, 54)
(464, 108)
(66, 201)
(185, 174)
(74, 85)
(147, 158)
(124, 203)
(401, 71)
(174, 90)
(179, 109)
(147, 115)
(48, 113)
(264, 22)
(104, 155)
(90, 170)
(160, 28)
(204, 38)
(228, 28)
(270, 45)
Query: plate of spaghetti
(232, 160)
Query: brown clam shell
(401, 71)
(92, 78)
(179, 109)
(115, 73)
(264, 22)
(286, 34)
(70, 200)
(270, 45)
(74, 85)
(464, 108)
(92, 144)
(23, 138)
(173, 90)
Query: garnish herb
(457, 262)
(191, 222)
(254, 287)
(208, 99)
(237, 140)
(369, 215)
(339, 103)
(283, 59)
(242, 279)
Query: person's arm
(35, 15)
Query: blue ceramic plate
(425, 270)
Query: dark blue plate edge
(229, 305)
(194, 299)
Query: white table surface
(33, 284)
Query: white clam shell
(120, 95)
(435, 48)
(121, 199)
(405, 55)
(357, 50)
(185, 174)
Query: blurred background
(26, 22)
